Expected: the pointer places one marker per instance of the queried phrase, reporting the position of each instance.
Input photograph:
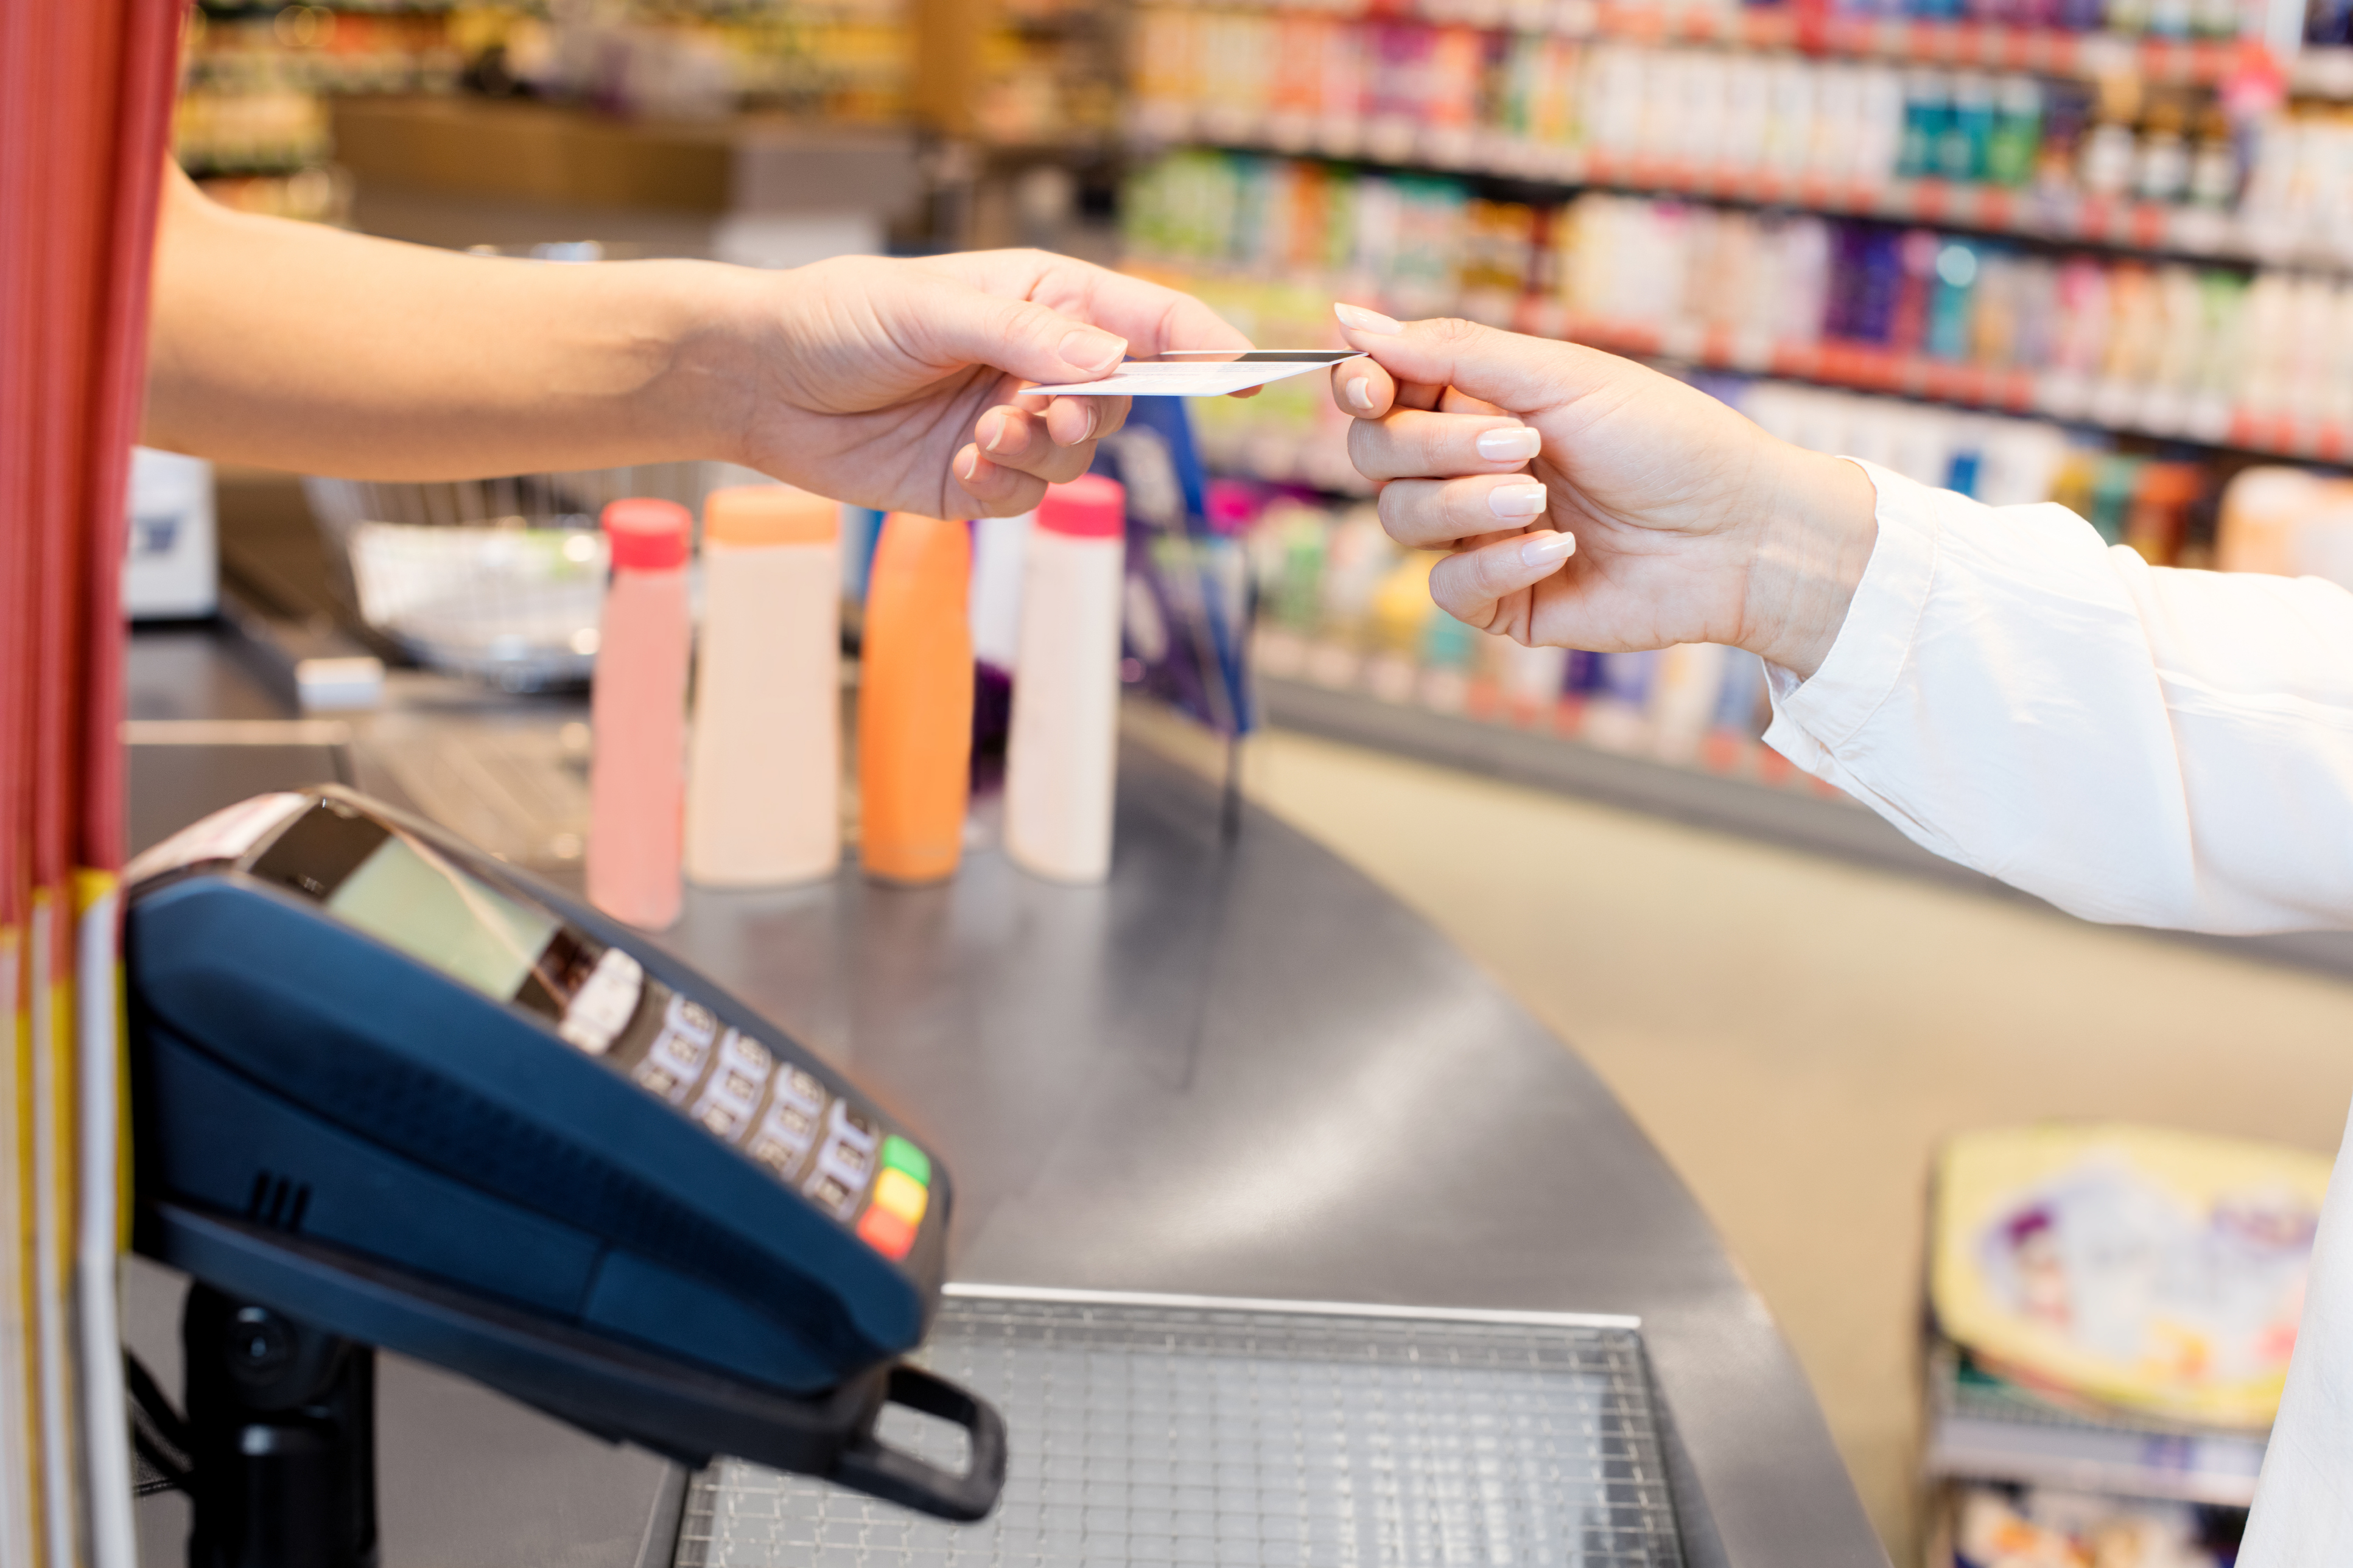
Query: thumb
(1515, 373)
(963, 325)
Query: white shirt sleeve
(2132, 743)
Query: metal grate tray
(1173, 1430)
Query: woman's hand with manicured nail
(1358, 318)
(1517, 503)
(1513, 444)
(1676, 519)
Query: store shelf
(2199, 62)
(2060, 218)
(1984, 1428)
(2044, 51)
(2122, 408)
(1750, 795)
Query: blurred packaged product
(2113, 1310)
(172, 567)
(2149, 1270)
(1343, 608)
(2290, 523)
(2041, 1527)
(311, 195)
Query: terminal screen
(432, 911)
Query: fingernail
(1515, 444)
(1364, 320)
(1516, 501)
(1092, 352)
(1548, 549)
(1000, 429)
(967, 464)
(1360, 392)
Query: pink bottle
(637, 775)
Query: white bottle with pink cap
(1062, 757)
(637, 715)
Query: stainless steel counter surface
(1237, 1069)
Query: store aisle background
(1798, 1034)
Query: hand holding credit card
(1202, 372)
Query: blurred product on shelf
(1048, 75)
(2290, 523)
(252, 81)
(2208, 355)
(2042, 1527)
(841, 60)
(2260, 361)
(1341, 606)
(313, 195)
(2138, 1269)
(2115, 161)
(252, 119)
(2111, 1309)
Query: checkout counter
(1237, 1069)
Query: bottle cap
(769, 514)
(648, 535)
(1093, 506)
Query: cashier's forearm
(300, 347)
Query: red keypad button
(886, 1233)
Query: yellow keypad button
(902, 1196)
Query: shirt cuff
(1812, 718)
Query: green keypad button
(898, 1154)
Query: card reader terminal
(359, 1044)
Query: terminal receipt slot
(387, 1090)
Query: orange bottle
(914, 701)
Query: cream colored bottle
(764, 773)
(1060, 758)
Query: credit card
(1202, 372)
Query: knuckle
(1453, 332)
(1466, 509)
(1392, 508)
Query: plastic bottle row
(2262, 360)
(754, 799)
(2055, 157)
(2209, 20)
(2171, 349)
(1461, 96)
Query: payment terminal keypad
(676, 1058)
(843, 1164)
(733, 1091)
(789, 1130)
(781, 1115)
